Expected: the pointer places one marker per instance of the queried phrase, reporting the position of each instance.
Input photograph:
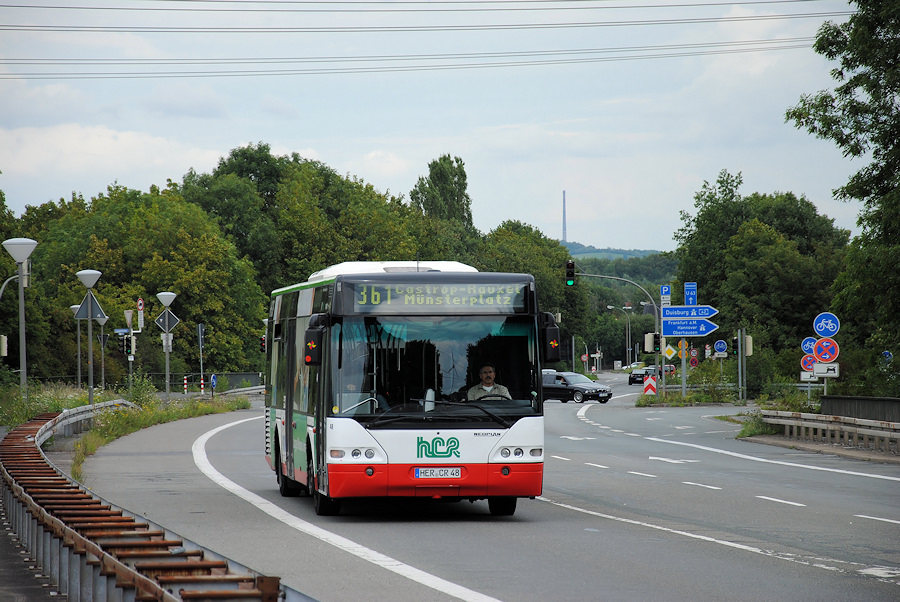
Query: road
(638, 502)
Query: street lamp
(74, 309)
(627, 331)
(20, 249)
(102, 322)
(166, 299)
(89, 278)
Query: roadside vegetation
(109, 425)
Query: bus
(369, 367)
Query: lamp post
(74, 309)
(627, 331)
(20, 249)
(102, 322)
(166, 299)
(89, 278)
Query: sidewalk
(854, 453)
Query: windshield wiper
(498, 419)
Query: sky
(625, 107)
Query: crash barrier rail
(93, 551)
(874, 435)
(870, 408)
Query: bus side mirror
(550, 336)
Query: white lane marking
(596, 465)
(779, 462)
(642, 474)
(576, 438)
(887, 520)
(671, 460)
(338, 541)
(882, 572)
(775, 499)
(702, 485)
(561, 458)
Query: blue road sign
(690, 293)
(688, 311)
(213, 381)
(721, 346)
(888, 357)
(699, 327)
(665, 290)
(808, 344)
(826, 324)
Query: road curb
(826, 448)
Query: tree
(442, 195)
(862, 117)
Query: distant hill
(578, 250)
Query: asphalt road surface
(638, 503)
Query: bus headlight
(504, 452)
(356, 454)
(370, 453)
(336, 453)
(518, 453)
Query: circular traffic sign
(140, 304)
(826, 350)
(807, 344)
(888, 357)
(695, 352)
(694, 362)
(721, 346)
(826, 324)
(807, 361)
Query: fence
(876, 435)
(871, 408)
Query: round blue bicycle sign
(808, 344)
(721, 346)
(826, 324)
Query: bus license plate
(439, 473)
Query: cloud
(46, 163)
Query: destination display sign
(435, 298)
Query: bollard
(185, 385)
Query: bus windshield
(406, 369)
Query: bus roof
(378, 267)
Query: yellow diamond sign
(670, 352)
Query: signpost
(826, 324)
(690, 293)
(688, 311)
(697, 327)
(826, 350)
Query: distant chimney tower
(564, 216)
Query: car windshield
(575, 379)
(403, 369)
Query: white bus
(369, 367)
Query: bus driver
(487, 386)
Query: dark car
(637, 375)
(571, 385)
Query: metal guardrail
(874, 435)
(94, 551)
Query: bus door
(290, 364)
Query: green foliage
(443, 194)
(42, 398)
(115, 423)
(709, 384)
(755, 425)
(862, 117)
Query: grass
(110, 424)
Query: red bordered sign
(826, 350)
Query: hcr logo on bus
(437, 448)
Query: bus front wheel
(502, 506)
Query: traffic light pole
(655, 320)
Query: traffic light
(734, 345)
(122, 344)
(570, 273)
(262, 344)
(130, 344)
(653, 342)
